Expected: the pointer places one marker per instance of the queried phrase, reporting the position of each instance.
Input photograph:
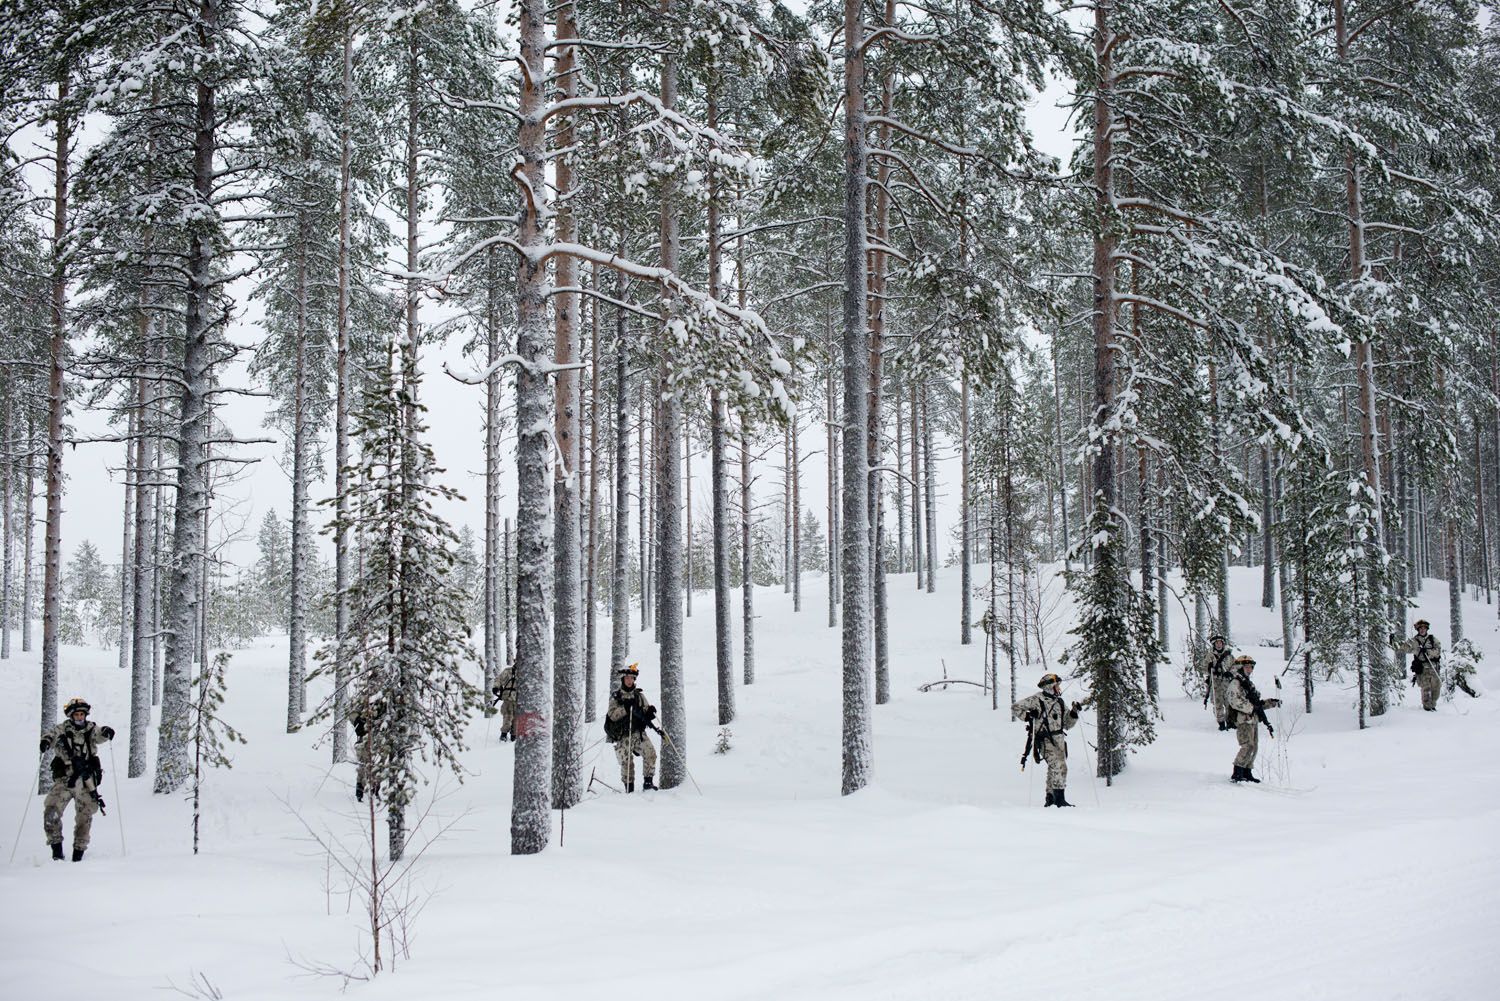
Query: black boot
(77, 854)
(648, 784)
(1058, 799)
(1248, 777)
(630, 786)
(1050, 797)
(1239, 774)
(57, 851)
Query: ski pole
(22, 828)
(680, 760)
(114, 775)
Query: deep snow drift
(1364, 867)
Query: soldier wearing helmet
(76, 773)
(1049, 719)
(504, 692)
(1246, 712)
(630, 715)
(1426, 663)
(1217, 668)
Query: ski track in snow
(1365, 867)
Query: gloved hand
(1271, 704)
(651, 713)
(1077, 707)
(46, 743)
(1030, 716)
(1416, 672)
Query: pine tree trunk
(796, 517)
(669, 612)
(831, 450)
(619, 588)
(878, 263)
(1102, 492)
(531, 821)
(723, 624)
(916, 491)
(492, 555)
(57, 404)
(930, 487)
(687, 513)
(127, 523)
(343, 391)
(172, 767)
(28, 531)
(297, 603)
(747, 560)
(718, 475)
(7, 457)
(591, 574)
(965, 610)
(567, 695)
(900, 482)
(140, 645)
(1365, 374)
(858, 751)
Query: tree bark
(530, 822)
(344, 391)
(567, 709)
(57, 404)
(619, 588)
(858, 752)
(172, 766)
(669, 612)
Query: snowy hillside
(1364, 867)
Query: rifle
(1030, 723)
(1260, 714)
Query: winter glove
(1077, 707)
(108, 731)
(651, 713)
(46, 743)
(1416, 672)
(1272, 704)
(1030, 716)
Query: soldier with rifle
(76, 774)
(629, 716)
(1246, 713)
(1217, 669)
(1426, 664)
(504, 692)
(1047, 721)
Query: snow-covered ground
(1365, 866)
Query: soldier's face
(79, 716)
(1219, 645)
(1422, 630)
(628, 681)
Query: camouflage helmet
(1244, 661)
(633, 670)
(1421, 624)
(1048, 680)
(74, 705)
(1216, 638)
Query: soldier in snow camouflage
(505, 692)
(1244, 700)
(1049, 719)
(1217, 667)
(629, 717)
(1426, 668)
(76, 772)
